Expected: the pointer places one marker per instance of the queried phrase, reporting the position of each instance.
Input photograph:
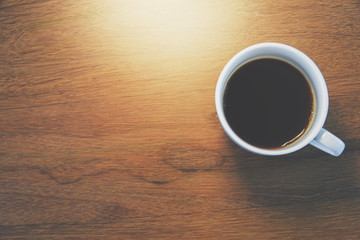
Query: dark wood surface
(108, 128)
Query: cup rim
(320, 93)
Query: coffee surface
(268, 103)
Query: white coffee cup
(316, 135)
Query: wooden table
(108, 128)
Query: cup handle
(328, 142)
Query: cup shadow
(308, 176)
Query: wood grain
(108, 128)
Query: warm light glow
(166, 53)
(158, 21)
(161, 27)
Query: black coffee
(268, 103)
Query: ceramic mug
(316, 135)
